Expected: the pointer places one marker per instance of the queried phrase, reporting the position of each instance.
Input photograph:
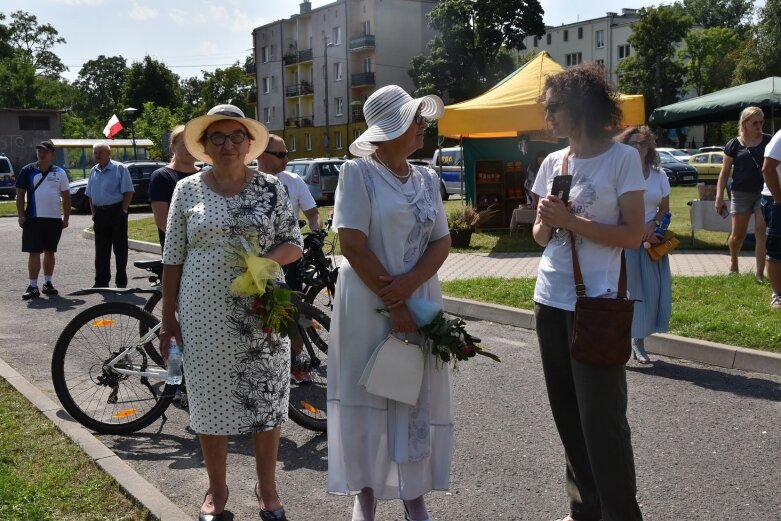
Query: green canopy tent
(723, 105)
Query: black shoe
(31, 293)
(48, 289)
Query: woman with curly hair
(649, 282)
(605, 214)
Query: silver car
(320, 175)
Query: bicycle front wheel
(308, 398)
(118, 398)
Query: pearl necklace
(397, 176)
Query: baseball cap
(48, 145)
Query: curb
(131, 482)
(711, 353)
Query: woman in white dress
(238, 377)
(394, 236)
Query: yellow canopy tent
(511, 106)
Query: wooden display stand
(499, 184)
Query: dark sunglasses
(218, 138)
(553, 107)
(279, 155)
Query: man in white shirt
(771, 211)
(273, 161)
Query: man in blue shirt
(110, 190)
(43, 184)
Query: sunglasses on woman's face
(420, 120)
(218, 138)
(278, 155)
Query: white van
(7, 178)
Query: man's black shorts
(41, 234)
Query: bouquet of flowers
(444, 334)
(271, 302)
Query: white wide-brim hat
(194, 129)
(389, 112)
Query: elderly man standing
(110, 190)
(44, 184)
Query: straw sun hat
(389, 112)
(194, 129)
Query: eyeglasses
(553, 106)
(218, 138)
(277, 154)
(420, 120)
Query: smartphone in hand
(561, 187)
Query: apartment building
(602, 40)
(314, 70)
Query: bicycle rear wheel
(97, 395)
(321, 296)
(308, 399)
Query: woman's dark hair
(588, 97)
(651, 158)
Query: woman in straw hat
(237, 382)
(394, 236)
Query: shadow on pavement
(58, 303)
(715, 380)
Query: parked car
(140, 173)
(7, 178)
(678, 172)
(713, 148)
(679, 154)
(320, 175)
(708, 165)
(450, 169)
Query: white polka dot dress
(238, 378)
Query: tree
(151, 80)
(653, 70)
(760, 55)
(710, 57)
(99, 85)
(191, 98)
(231, 85)
(153, 123)
(36, 41)
(729, 14)
(471, 50)
(17, 83)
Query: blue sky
(194, 35)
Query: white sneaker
(775, 302)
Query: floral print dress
(238, 378)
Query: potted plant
(463, 221)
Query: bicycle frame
(159, 374)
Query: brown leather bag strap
(580, 288)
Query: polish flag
(112, 127)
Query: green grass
(46, 477)
(7, 208)
(728, 309)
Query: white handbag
(394, 371)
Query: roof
(79, 143)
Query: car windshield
(678, 153)
(666, 157)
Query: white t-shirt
(773, 151)
(300, 197)
(46, 198)
(597, 183)
(657, 187)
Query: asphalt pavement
(706, 439)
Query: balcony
(250, 68)
(363, 79)
(252, 96)
(305, 55)
(290, 58)
(299, 89)
(357, 116)
(302, 122)
(365, 41)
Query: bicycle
(110, 377)
(318, 271)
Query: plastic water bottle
(174, 364)
(661, 229)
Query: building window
(536, 41)
(601, 63)
(580, 33)
(566, 35)
(573, 59)
(337, 36)
(600, 38)
(356, 133)
(338, 71)
(34, 123)
(623, 51)
(339, 104)
(365, 27)
(293, 143)
(266, 84)
(308, 141)
(366, 65)
(338, 139)
(264, 54)
(547, 38)
(266, 115)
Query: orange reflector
(315, 324)
(125, 413)
(309, 407)
(104, 323)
